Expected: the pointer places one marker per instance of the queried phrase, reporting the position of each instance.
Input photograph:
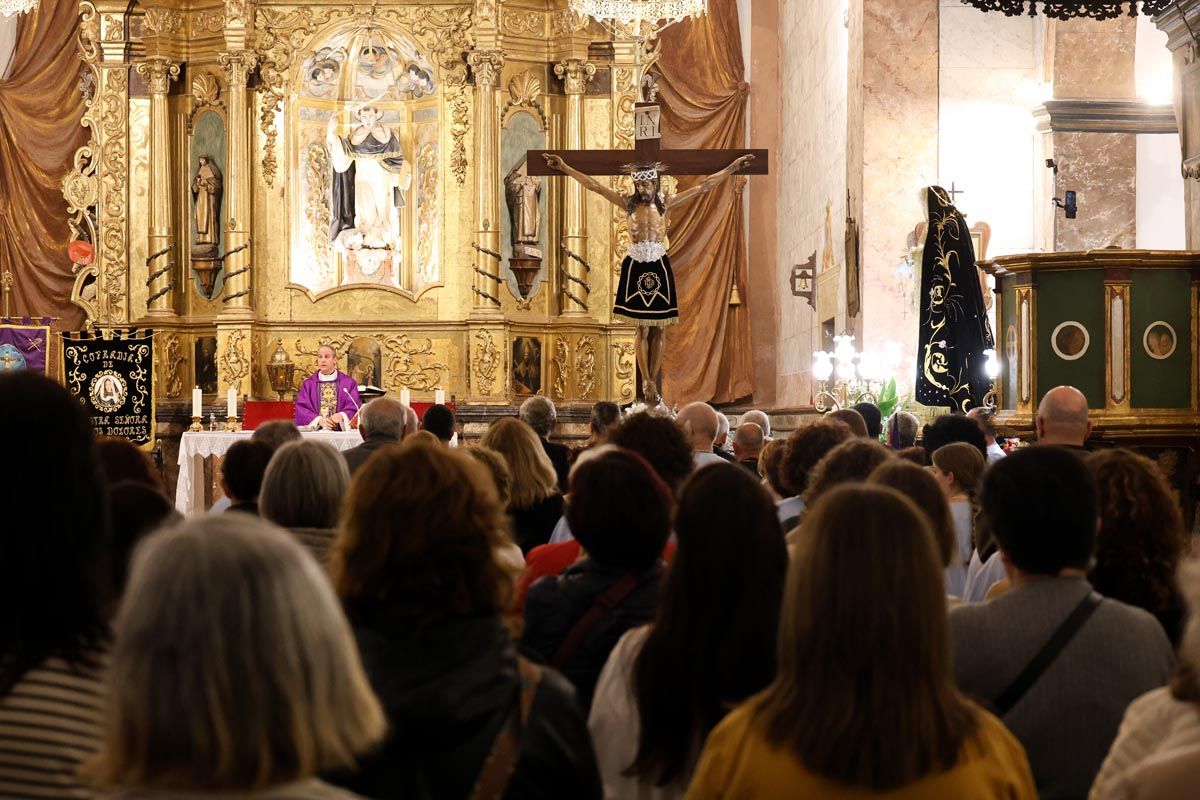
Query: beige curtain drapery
(704, 105)
(40, 111)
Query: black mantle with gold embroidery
(954, 325)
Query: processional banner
(24, 345)
(112, 375)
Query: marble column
(486, 65)
(158, 73)
(238, 275)
(1092, 61)
(575, 74)
(1180, 22)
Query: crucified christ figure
(646, 288)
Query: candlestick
(231, 403)
(196, 426)
(197, 400)
(406, 397)
(439, 396)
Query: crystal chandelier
(10, 8)
(639, 15)
(1070, 9)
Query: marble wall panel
(989, 80)
(1101, 168)
(811, 163)
(900, 155)
(762, 59)
(1093, 59)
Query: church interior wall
(900, 154)
(812, 178)
(762, 54)
(989, 78)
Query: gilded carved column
(158, 73)
(238, 276)
(486, 65)
(575, 75)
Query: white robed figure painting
(370, 180)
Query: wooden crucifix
(646, 288)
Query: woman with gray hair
(302, 491)
(252, 698)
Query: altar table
(194, 447)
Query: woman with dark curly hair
(1141, 539)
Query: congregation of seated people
(679, 607)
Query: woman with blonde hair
(302, 491)
(250, 696)
(958, 468)
(863, 703)
(415, 568)
(535, 503)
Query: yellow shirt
(738, 762)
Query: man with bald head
(1062, 418)
(748, 441)
(759, 418)
(381, 421)
(699, 424)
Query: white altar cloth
(194, 447)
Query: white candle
(197, 400)
(439, 396)
(406, 397)
(231, 402)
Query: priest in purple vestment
(328, 399)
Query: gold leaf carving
(460, 122)
(205, 89)
(485, 362)
(566, 21)
(427, 212)
(562, 368)
(585, 366)
(162, 21)
(317, 203)
(523, 22)
(486, 64)
(210, 21)
(486, 12)
(235, 13)
(523, 90)
(624, 369)
(623, 109)
(158, 73)
(113, 107)
(172, 359)
(280, 37)
(234, 359)
(412, 365)
(575, 74)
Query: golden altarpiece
(281, 175)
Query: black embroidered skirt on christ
(646, 293)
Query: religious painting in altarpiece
(367, 199)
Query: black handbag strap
(1008, 698)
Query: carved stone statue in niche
(522, 191)
(207, 189)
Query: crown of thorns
(644, 172)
